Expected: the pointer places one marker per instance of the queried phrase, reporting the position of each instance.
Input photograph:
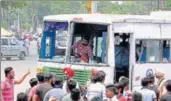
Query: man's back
(55, 92)
(155, 89)
(147, 94)
(42, 90)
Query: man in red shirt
(83, 49)
(7, 86)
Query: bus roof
(106, 18)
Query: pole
(89, 6)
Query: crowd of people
(49, 87)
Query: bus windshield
(54, 41)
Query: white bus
(122, 45)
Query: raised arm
(22, 78)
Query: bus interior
(96, 36)
(122, 54)
(153, 51)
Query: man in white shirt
(147, 94)
(97, 88)
(111, 92)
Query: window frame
(65, 56)
(71, 33)
(161, 52)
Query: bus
(121, 45)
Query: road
(20, 67)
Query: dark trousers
(121, 72)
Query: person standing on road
(26, 43)
(43, 88)
(7, 86)
(57, 91)
(41, 79)
(69, 74)
(161, 81)
(21, 97)
(33, 82)
(147, 94)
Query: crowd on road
(49, 87)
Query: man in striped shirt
(7, 86)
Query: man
(111, 93)
(7, 86)
(126, 93)
(69, 74)
(75, 95)
(147, 94)
(43, 88)
(26, 43)
(41, 79)
(83, 50)
(33, 82)
(21, 97)
(120, 87)
(161, 81)
(167, 96)
(152, 86)
(39, 43)
(71, 84)
(56, 92)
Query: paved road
(22, 66)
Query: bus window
(89, 44)
(56, 33)
(48, 42)
(153, 51)
(166, 51)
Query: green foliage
(32, 12)
(168, 3)
(128, 7)
(13, 4)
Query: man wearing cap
(161, 81)
(69, 74)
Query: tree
(128, 7)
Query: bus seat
(166, 52)
(143, 55)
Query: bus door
(122, 49)
(89, 50)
